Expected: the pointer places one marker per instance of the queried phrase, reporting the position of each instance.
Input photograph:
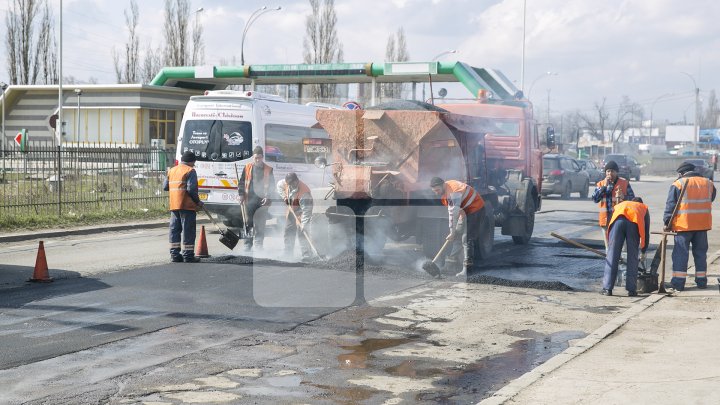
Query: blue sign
(352, 105)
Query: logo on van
(234, 139)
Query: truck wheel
(434, 232)
(376, 230)
(524, 239)
(584, 190)
(486, 239)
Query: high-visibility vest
(471, 201)
(695, 210)
(302, 190)
(266, 179)
(634, 212)
(177, 186)
(623, 184)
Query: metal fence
(52, 180)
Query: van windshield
(217, 140)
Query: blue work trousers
(681, 253)
(622, 231)
(182, 222)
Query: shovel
(307, 237)
(430, 266)
(227, 237)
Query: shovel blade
(229, 239)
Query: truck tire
(434, 232)
(486, 238)
(524, 239)
(376, 230)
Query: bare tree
(127, 69)
(395, 51)
(198, 51)
(602, 122)
(177, 50)
(711, 117)
(321, 43)
(30, 43)
(151, 64)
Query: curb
(86, 231)
(514, 387)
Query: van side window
(294, 144)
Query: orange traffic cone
(40, 275)
(202, 250)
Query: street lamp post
(78, 92)
(3, 86)
(652, 107)
(546, 74)
(522, 61)
(253, 17)
(697, 113)
(438, 56)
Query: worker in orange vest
(255, 187)
(691, 223)
(298, 198)
(465, 211)
(605, 193)
(630, 226)
(182, 184)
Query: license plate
(316, 149)
(203, 196)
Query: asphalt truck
(384, 157)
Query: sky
(596, 50)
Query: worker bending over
(629, 225)
(691, 222)
(298, 198)
(465, 210)
(254, 190)
(605, 193)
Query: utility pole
(548, 106)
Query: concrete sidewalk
(660, 351)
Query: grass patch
(32, 222)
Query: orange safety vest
(695, 210)
(634, 212)
(266, 179)
(177, 185)
(471, 201)
(302, 190)
(623, 184)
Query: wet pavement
(419, 340)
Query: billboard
(680, 133)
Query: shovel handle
(307, 237)
(442, 249)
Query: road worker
(465, 211)
(182, 184)
(296, 195)
(629, 225)
(691, 222)
(255, 191)
(605, 192)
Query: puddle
(473, 382)
(344, 395)
(604, 309)
(362, 352)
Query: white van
(222, 128)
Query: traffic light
(551, 138)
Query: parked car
(703, 168)
(563, 175)
(594, 173)
(629, 167)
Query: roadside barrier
(202, 249)
(40, 274)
